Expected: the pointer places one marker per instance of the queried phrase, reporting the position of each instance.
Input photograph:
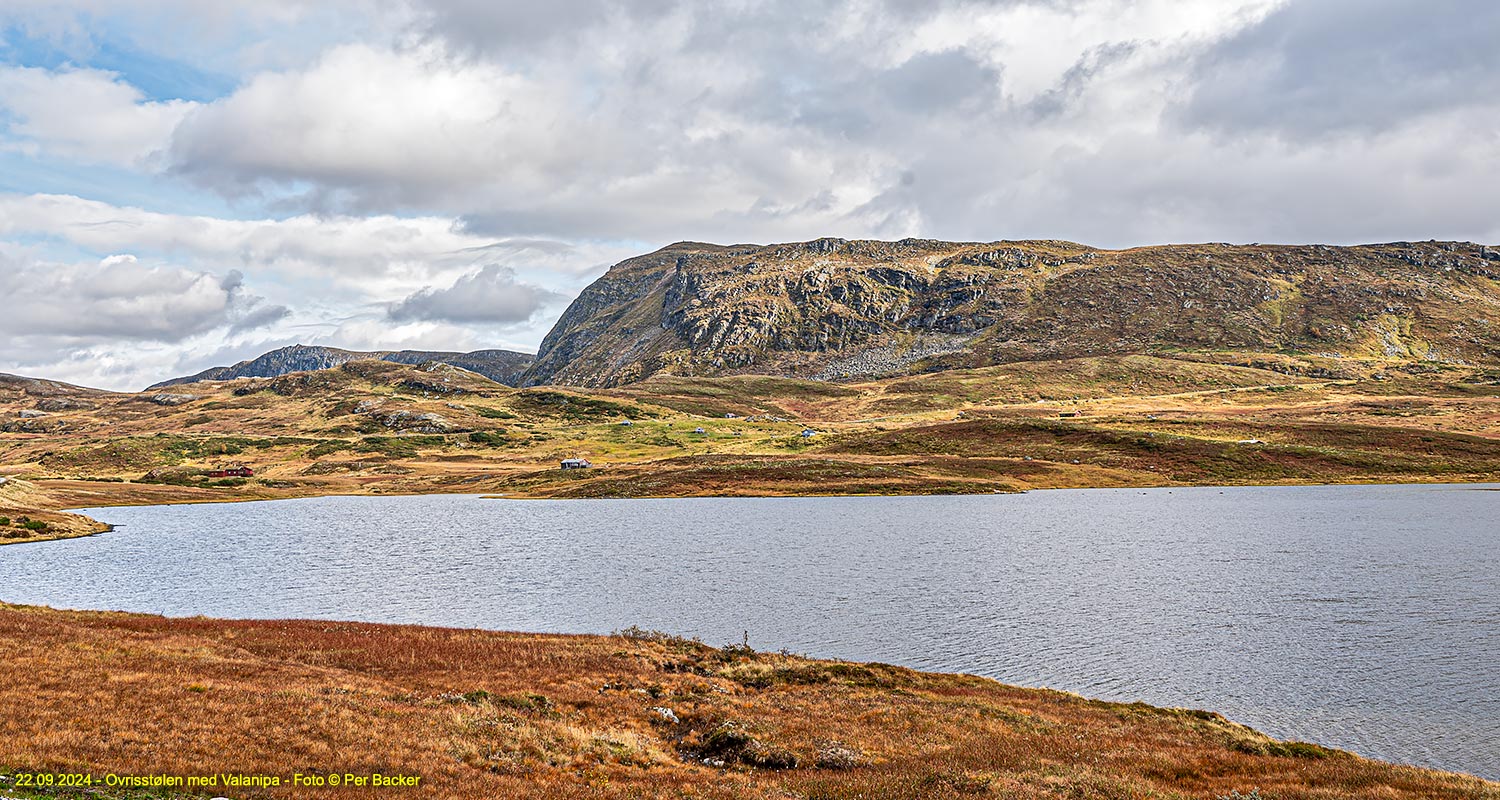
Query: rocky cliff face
(833, 309)
(501, 366)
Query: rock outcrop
(501, 366)
(835, 309)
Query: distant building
(728, 416)
(232, 472)
(626, 422)
(1067, 414)
(576, 463)
(808, 433)
(699, 430)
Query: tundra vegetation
(636, 714)
(1167, 419)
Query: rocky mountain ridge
(501, 366)
(836, 309)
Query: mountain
(833, 309)
(43, 389)
(501, 366)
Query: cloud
(115, 299)
(937, 82)
(85, 115)
(263, 317)
(480, 26)
(596, 121)
(492, 295)
(367, 150)
(1331, 67)
(665, 121)
(184, 282)
(380, 128)
(372, 257)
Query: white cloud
(396, 150)
(85, 115)
(368, 257)
(491, 295)
(400, 126)
(778, 121)
(164, 278)
(111, 300)
(770, 121)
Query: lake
(1361, 617)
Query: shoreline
(612, 685)
(4, 604)
(1488, 484)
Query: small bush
(731, 741)
(472, 698)
(488, 439)
(639, 634)
(4, 522)
(328, 448)
(524, 702)
(727, 741)
(1270, 747)
(35, 525)
(768, 756)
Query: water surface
(1363, 617)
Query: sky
(185, 184)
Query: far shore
(59, 497)
(1164, 419)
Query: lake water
(1362, 617)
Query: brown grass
(1141, 420)
(482, 714)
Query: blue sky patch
(158, 77)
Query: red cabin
(235, 472)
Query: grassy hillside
(483, 714)
(376, 427)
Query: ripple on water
(1365, 617)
